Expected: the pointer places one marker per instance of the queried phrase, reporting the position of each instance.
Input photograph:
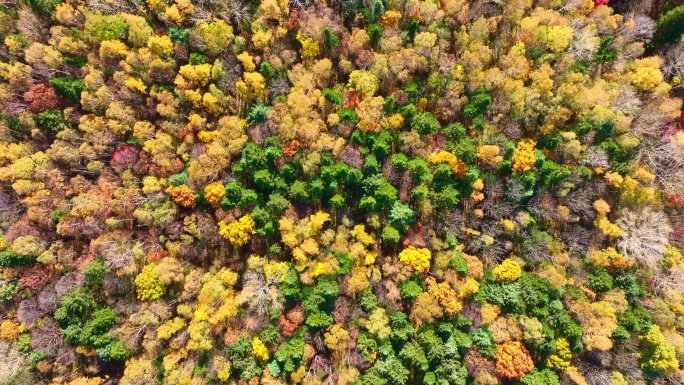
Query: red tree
(41, 97)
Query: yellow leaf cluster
(113, 49)
(160, 45)
(217, 286)
(337, 337)
(23, 168)
(489, 312)
(469, 288)
(275, 271)
(558, 38)
(170, 361)
(370, 114)
(519, 47)
(193, 75)
(182, 195)
(247, 62)
(287, 233)
(148, 284)
(671, 257)
(198, 333)
(259, 350)
(260, 38)
(359, 232)
(377, 323)
(10, 330)
(561, 356)
(393, 121)
(216, 301)
(323, 268)
(28, 245)
(318, 220)
(363, 82)
(477, 186)
(610, 258)
(213, 192)
(252, 87)
(507, 224)
(152, 185)
(418, 258)
(170, 327)
(217, 35)
(358, 280)
(643, 175)
(307, 240)
(425, 40)
(136, 84)
(598, 323)
(213, 101)
(614, 178)
(173, 13)
(507, 271)
(489, 154)
(222, 367)
(390, 19)
(616, 378)
(662, 355)
(179, 11)
(310, 48)
(523, 157)
(273, 10)
(310, 246)
(632, 192)
(238, 232)
(194, 97)
(446, 296)
(647, 75)
(66, 14)
(609, 229)
(458, 168)
(25, 187)
(513, 360)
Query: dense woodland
(362, 192)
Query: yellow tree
(237, 232)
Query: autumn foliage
(513, 360)
(353, 192)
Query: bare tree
(14, 365)
(627, 102)
(674, 61)
(137, 7)
(585, 41)
(10, 209)
(649, 122)
(665, 161)
(260, 294)
(47, 337)
(637, 27)
(646, 234)
(664, 281)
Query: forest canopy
(353, 192)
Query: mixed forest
(352, 192)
